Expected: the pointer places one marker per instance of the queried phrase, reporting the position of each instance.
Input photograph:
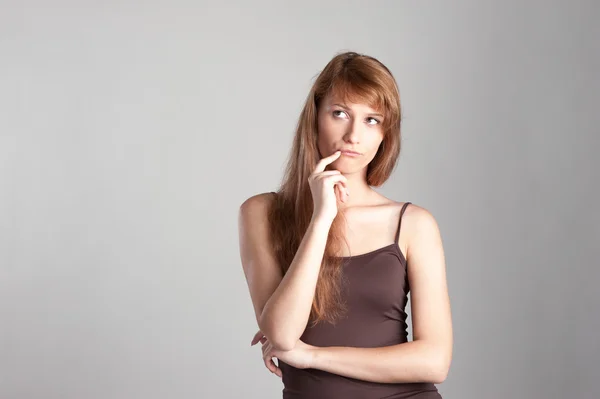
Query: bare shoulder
(417, 222)
(418, 219)
(417, 213)
(418, 216)
(256, 205)
(430, 302)
(253, 225)
(420, 227)
(260, 266)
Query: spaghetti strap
(400, 220)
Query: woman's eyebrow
(345, 107)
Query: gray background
(130, 133)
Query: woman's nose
(354, 132)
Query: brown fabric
(376, 289)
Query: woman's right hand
(326, 187)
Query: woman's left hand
(301, 356)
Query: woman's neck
(360, 191)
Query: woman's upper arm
(430, 302)
(262, 272)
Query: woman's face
(348, 126)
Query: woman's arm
(414, 361)
(282, 304)
(427, 358)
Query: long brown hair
(357, 78)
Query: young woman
(329, 261)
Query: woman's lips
(350, 153)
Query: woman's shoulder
(385, 201)
(413, 213)
(416, 219)
(257, 204)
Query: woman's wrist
(315, 352)
(319, 222)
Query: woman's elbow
(280, 343)
(442, 367)
(276, 338)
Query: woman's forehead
(353, 101)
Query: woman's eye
(377, 121)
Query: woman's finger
(332, 179)
(326, 161)
(323, 174)
(273, 368)
(277, 371)
(268, 356)
(256, 337)
(266, 348)
(339, 193)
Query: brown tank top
(376, 292)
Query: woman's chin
(346, 169)
(344, 165)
